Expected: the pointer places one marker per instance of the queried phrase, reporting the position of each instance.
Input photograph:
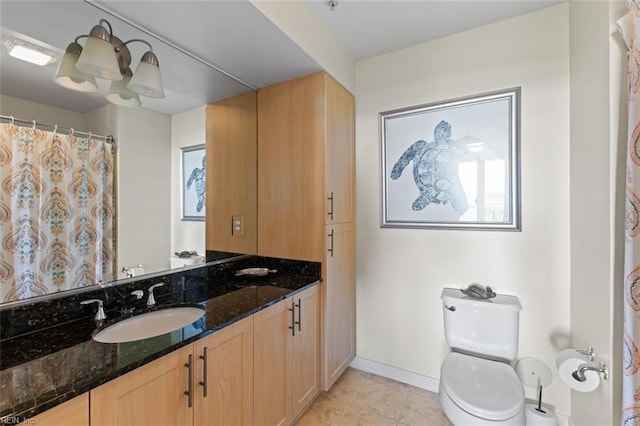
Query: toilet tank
(487, 328)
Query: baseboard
(395, 373)
(414, 379)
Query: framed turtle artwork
(193, 184)
(453, 164)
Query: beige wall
(144, 204)
(400, 272)
(187, 129)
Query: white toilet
(478, 386)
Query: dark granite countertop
(44, 367)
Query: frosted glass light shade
(146, 80)
(72, 78)
(99, 59)
(120, 94)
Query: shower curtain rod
(71, 131)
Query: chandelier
(107, 57)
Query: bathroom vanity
(254, 354)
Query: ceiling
(195, 40)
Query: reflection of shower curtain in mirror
(630, 28)
(56, 212)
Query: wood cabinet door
(339, 303)
(306, 349)
(291, 199)
(74, 412)
(227, 376)
(339, 162)
(272, 365)
(153, 394)
(232, 175)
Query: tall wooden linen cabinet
(306, 197)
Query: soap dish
(255, 272)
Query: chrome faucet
(151, 300)
(100, 315)
(579, 373)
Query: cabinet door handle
(293, 319)
(189, 391)
(330, 249)
(299, 322)
(330, 206)
(203, 383)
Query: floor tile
(361, 398)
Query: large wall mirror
(150, 138)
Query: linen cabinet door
(153, 394)
(306, 349)
(272, 365)
(339, 302)
(339, 158)
(224, 376)
(291, 206)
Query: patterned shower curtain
(56, 212)
(629, 26)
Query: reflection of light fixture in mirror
(120, 94)
(475, 146)
(25, 50)
(71, 77)
(106, 56)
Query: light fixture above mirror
(107, 57)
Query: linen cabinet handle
(293, 318)
(299, 322)
(203, 383)
(330, 206)
(189, 391)
(330, 249)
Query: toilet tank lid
(502, 302)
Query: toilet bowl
(478, 386)
(478, 391)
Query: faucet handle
(138, 294)
(151, 300)
(100, 315)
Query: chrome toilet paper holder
(579, 374)
(589, 352)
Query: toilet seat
(487, 389)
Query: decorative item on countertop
(579, 371)
(536, 374)
(255, 272)
(185, 254)
(133, 271)
(476, 291)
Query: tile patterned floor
(360, 398)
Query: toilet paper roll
(568, 354)
(534, 417)
(569, 366)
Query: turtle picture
(435, 170)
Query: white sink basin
(149, 324)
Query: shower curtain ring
(34, 124)
(13, 120)
(55, 129)
(72, 131)
(90, 134)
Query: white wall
(597, 89)
(187, 129)
(46, 114)
(400, 272)
(144, 184)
